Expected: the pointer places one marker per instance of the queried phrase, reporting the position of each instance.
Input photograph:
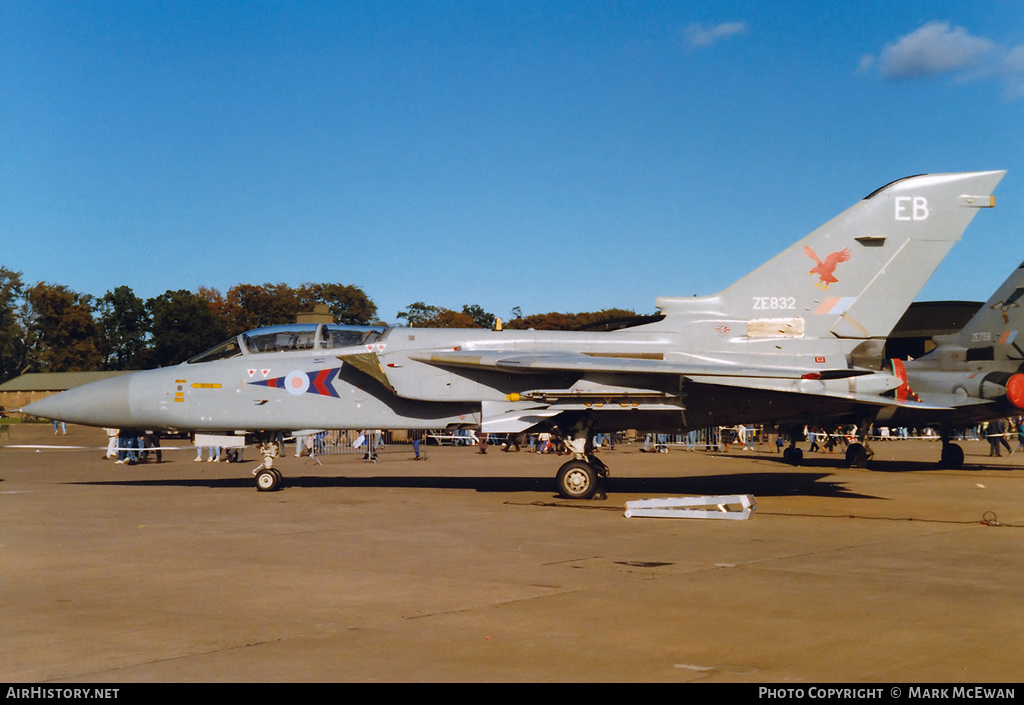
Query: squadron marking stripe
(298, 382)
(835, 305)
(321, 383)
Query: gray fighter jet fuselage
(418, 378)
(971, 376)
(798, 339)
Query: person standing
(111, 443)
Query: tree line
(420, 315)
(50, 328)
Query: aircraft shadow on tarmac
(770, 484)
(891, 466)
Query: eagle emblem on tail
(826, 270)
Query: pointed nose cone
(103, 403)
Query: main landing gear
(582, 477)
(858, 452)
(952, 457)
(791, 454)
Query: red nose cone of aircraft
(103, 403)
(1015, 390)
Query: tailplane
(854, 276)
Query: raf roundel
(296, 382)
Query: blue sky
(555, 156)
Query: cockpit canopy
(292, 338)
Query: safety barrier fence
(372, 444)
(369, 444)
(362, 442)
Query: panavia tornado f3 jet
(799, 340)
(971, 376)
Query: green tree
(569, 321)
(481, 318)
(418, 314)
(124, 324)
(60, 330)
(254, 306)
(12, 333)
(183, 327)
(347, 303)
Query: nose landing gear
(268, 478)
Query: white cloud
(700, 36)
(1015, 59)
(933, 49)
(938, 48)
(1014, 70)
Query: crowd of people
(130, 447)
(1001, 434)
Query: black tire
(857, 456)
(952, 456)
(268, 480)
(577, 479)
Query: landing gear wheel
(793, 456)
(952, 456)
(857, 456)
(577, 479)
(268, 480)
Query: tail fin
(854, 276)
(993, 333)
